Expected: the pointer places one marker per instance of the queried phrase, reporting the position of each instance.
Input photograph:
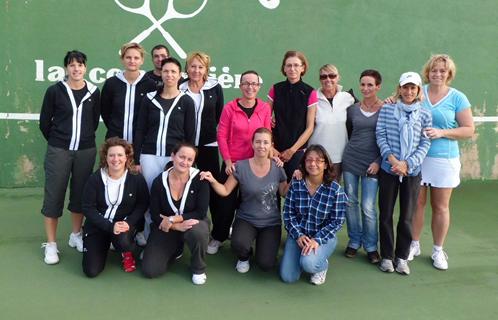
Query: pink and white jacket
(235, 130)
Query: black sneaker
(350, 252)
(373, 257)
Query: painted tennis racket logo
(171, 13)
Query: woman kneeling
(178, 208)
(314, 211)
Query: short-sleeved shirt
(444, 117)
(259, 205)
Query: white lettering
(112, 72)
(55, 73)
(95, 75)
(98, 75)
(39, 70)
(225, 80)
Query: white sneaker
(243, 266)
(140, 239)
(76, 241)
(414, 251)
(51, 252)
(319, 277)
(199, 279)
(213, 246)
(402, 267)
(386, 265)
(440, 260)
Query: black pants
(267, 243)
(224, 212)
(389, 186)
(161, 247)
(293, 164)
(96, 246)
(208, 160)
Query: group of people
(159, 169)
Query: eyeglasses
(293, 65)
(316, 161)
(250, 84)
(330, 76)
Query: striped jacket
(388, 138)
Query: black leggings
(267, 243)
(161, 247)
(408, 189)
(96, 246)
(224, 210)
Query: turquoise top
(444, 117)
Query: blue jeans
(293, 263)
(362, 229)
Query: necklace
(370, 107)
(108, 194)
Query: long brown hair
(113, 142)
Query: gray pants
(162, 247)
(60, 165)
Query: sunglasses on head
(330, 76)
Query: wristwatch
(171, 219)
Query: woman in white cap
(403, 146)
(452, 121)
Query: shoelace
(437, 255)
(46, 244)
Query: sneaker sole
(403, 273)
(72, 245)
(50, 263)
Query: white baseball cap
(410, 77)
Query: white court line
(36, 116)
(20, 116)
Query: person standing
(208, 100)
(294, 105)
(451, 121)
(361, 163)
(403, 146)
(330, 119)
(122, 94)
(69, 118)
(166, 118)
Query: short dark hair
(328, 174)
(249, 72)
(79, 56)
(172, 60)
(372, 73)
(157, 47)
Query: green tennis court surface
(354, 289)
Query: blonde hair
(202, 57)
(448, 63)
(132, 45)
(330, 68)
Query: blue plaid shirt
(319, 216)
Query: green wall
(392, 36)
